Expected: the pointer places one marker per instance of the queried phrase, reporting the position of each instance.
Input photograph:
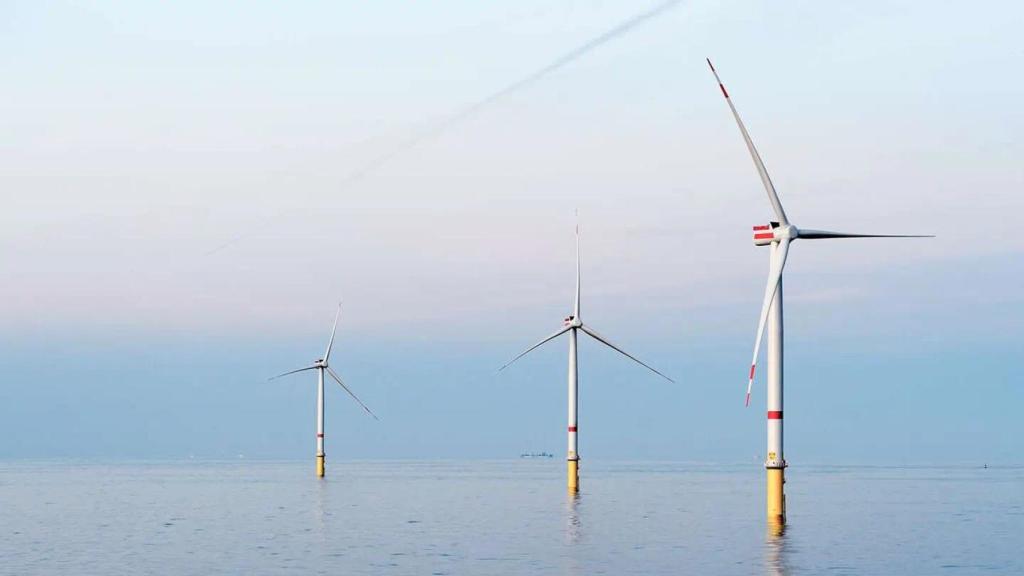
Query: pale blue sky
(137, 137)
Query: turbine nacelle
(572, 322)
(765, 234)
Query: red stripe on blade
(764, 236)
(752, 366)
(775, 414)
(724, 93)
(762, 227)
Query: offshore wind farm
(190, 187)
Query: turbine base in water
(776, 497)
(574, 475)
(320, 466)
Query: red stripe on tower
(320, 435)
(775, 414)
(572, 428)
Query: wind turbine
(779, 235)
(572, 325)
(321, 366)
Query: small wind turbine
(322, 367)
(778, 235)
(572, 324)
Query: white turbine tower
(321, 366)
(778, 235)
(572, 325)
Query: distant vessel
(536, 455)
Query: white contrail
(454, 120)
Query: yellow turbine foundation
(320, 465)
(574, 475)
(776, 497)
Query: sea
(503, 517)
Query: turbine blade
(605, 341)
(350, 393)
(773, 197)
(823, 234)
(292, 372)
(576, 306)
(334, 330)
(774, 277)
(535, 346)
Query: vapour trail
(471, 110)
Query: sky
(188, 189)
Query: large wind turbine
(778, 235)
(322, 367)
(572, 324)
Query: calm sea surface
(502, 517)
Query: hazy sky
(138, 137)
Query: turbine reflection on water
(775, 548)
(572, 526)
(573, 535)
